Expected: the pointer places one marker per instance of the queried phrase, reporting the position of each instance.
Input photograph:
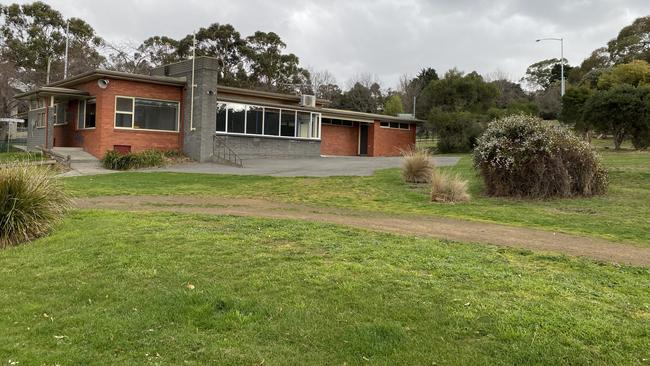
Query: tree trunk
(619, 136)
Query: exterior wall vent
(308, 100)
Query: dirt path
(440, 228)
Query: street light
(561, 59)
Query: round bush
(524, 156)
(31, 202)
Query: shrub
(31, 202)
(117, 161)
(456, 131)
(417, 166)
(448, 188)
(524, 156)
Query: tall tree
(35, 37)
(542, 74)
(270, 68)
(632, 42)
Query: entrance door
(363, 139)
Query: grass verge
(620, 215)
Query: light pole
(561, 59)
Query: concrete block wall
(198, 138)
(269, 147)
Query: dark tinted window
(91, 107)
(236, 117)
(221, 117)
(288, 123)
(155, 115)
(254, 117)
(271, 121)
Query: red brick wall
(339, 140)
(389, 141)
(101, 139)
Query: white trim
(143, 129)
(312, 136)
(269, 136)
(396, 128)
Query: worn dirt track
(435, 227)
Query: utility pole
(67, 38)
(192, 84)
(414, 99)
(47, 76)
(561, 60)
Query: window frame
(311, 128)
(84, 103)
(56, 115)
(132, 113)
(399, 125)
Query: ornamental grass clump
(417, 166)
(524, 156)
(118, 161)
(448, 188)
(32, 201)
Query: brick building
(107, 110)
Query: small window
(404, 126)
(40, 119)
(271, 121)
(124, 112)
(221, 117)
(384, 124)
(60, 113)
(89, 117)
(394, 125)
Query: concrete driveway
(308, 167)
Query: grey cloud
(380, 37)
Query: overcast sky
(383, 38)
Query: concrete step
(76, 154)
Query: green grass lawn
(112, 288)
(621, 215)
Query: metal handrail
(222, 151)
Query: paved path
(440, 228)
(307, 167)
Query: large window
(245, 119)
(146, 114)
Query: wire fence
(12, 145)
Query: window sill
(266, 136)
(60, 124)
(127, 129)
(85, 128)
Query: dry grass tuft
(32, 201)
(417, 166)
(448, 188)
